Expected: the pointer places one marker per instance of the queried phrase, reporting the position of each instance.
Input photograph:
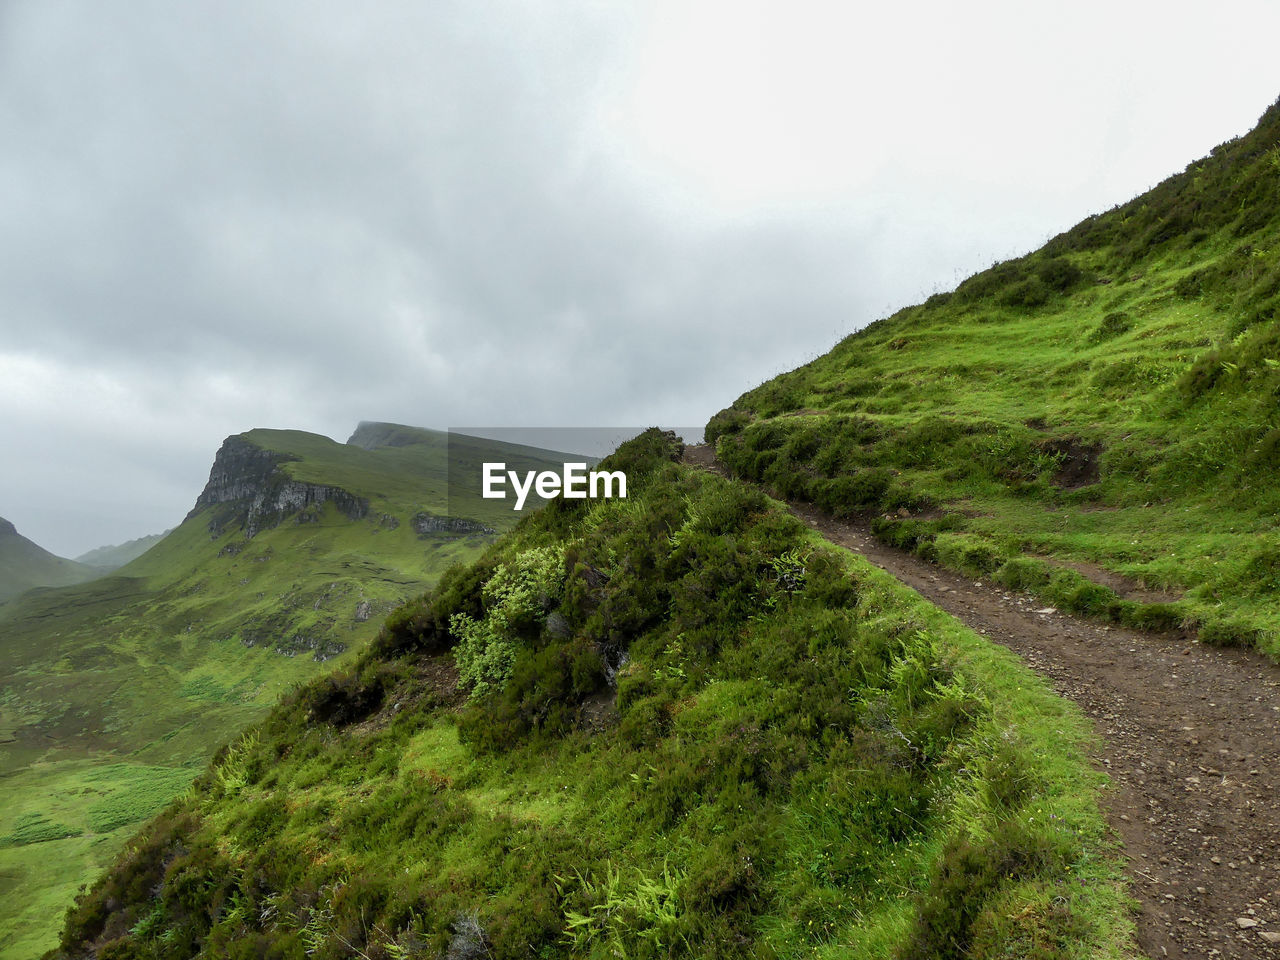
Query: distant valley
(122, 672)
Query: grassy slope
(817, 763)
(1145, 340)
(24, 565)
(116, 692)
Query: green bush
(791, 736)
(968, 876)
(1070, 591)
(913, 534)
(517, 598)
(843, 496)
(1261, 576)
(422, 625)
(341, 698)
(726, 423)
(1230, 631)
(967, 553)
(982, 286)
(1059, 274)
(1113, 325)
(1153, 616)
(1032, 292)
(1023, 573)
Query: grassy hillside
(24, 565)
(114, 694)
(1098, 421)
(676, 725)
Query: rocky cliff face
(428, 523)
(7, 529)
(256, 493)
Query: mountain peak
(24, 564)
(371, 435)
(248, 477)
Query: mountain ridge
(1106, 403)
(115, 691)
(246, 471)
(25, 565)
(113, 556)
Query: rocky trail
(1190, 737)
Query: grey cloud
(308, 214)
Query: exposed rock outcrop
(249, 483)
(425, 523)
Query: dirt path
(1191, 740)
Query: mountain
(681, 724)
(106, 559)
(676, 725)
(371, 435)
(24, 565)
(1096, 421)
(114, 693)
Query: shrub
(912, 534)
(829, 583)
(1262, 572)
(646, 722)
(1032, 292)
(517, 598)
(999, 277)
(1265, 456)
(724, 874)
(1070, 591)
(1193, 285)
(1153, 616)
(968, 875)
(727, 509)
(967, 553)
(341, 698)
(728, 422)
(1023, 573)
(1202, 375)
(423, 624)
(842, 496)
(1113, 325)
(1230, 632)
(485, 657)
(1059, 274)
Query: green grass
(803, 767)
(140, 675)
(63, 821)
(1126, 419)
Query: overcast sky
(306, 214)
